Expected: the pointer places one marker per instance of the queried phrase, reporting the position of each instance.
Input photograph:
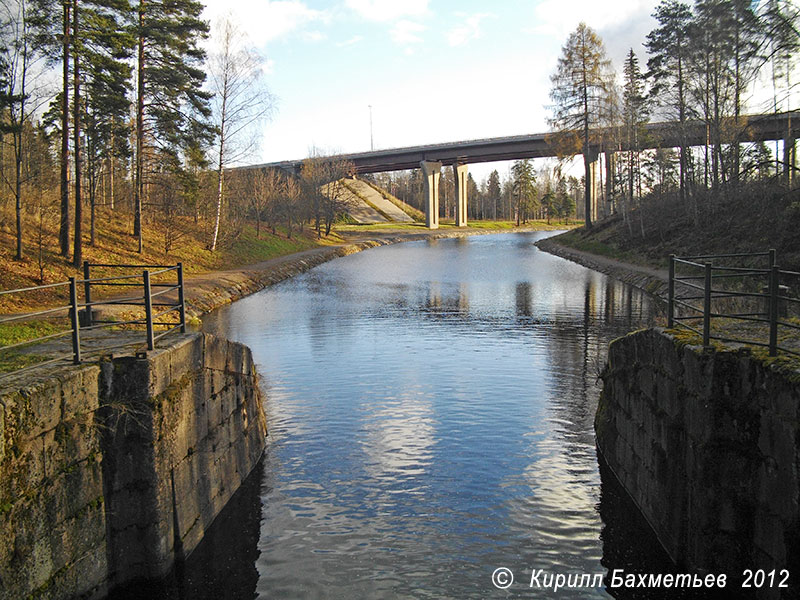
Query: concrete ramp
(359, 211)
(373, 198)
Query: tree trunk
(111, 171)
(18, 148)
(77, 251)
(63, 232)
(138, 186)
(220, 190)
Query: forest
(112, 112)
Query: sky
(432, 70)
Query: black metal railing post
(671, 307)
(181, 298)
(148, 310)
(73, 315)
(773, 310)
(772, 260)
(87, 292)
(707, 306)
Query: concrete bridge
(430, 158)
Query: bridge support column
(431, 170)
(594, 184)
(460, 173)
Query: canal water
(430, 409)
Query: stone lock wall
(112, 472)
(707, 444)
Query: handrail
(36, 287)
(773, 293)
(80, 314)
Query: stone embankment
(707, 443)
(112, 472)
(648, 279)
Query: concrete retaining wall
(113, 472)
(707, 443)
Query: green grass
(250, 249)
(14, 361)
(14, 333)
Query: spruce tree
(634, 116)
(494, 194)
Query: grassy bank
(180, 240)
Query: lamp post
(371, 145)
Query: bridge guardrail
(74, 309)
(765, 310)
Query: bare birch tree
(241, 101)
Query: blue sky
(432, 70)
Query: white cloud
(353, 40)
(405, 32)
(314, 36)
(468, 30)
(554, 18)
(266, 20)
(388, 10)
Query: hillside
(756, 217)
(181, 239)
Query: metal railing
(145, 302)
(760, 298)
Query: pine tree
(745, 29)
(107, 44)
(668, 46)
(53, 37)
(579, 92)
(101, 46)
(724, 49)
(781, 19)
(170, 103)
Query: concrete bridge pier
(593, 184)
(460, 173)
(431, 170)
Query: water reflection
(430, 411)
